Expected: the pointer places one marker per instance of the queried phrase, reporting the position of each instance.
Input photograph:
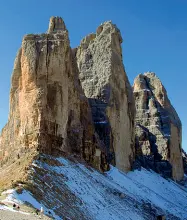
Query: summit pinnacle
(56, 24)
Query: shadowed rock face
(158, 127)
(184, 157)
(48, 110)
(105, 83)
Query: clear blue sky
(154, 33)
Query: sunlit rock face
(105, 83)
(158, 127)
(48, 110)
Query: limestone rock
(49, 112)
(56, 24)
(158, 127)
(105, 83)
(184, 157)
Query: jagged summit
(107, 30)
(56, 24)
(109, 27)
(149, 73)
(150, 82)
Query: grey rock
(105, 83)
(56, 24)
(158, 127)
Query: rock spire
(106, 85)
(49, 112)
(56, 24)
(158, 127)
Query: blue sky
(154, 33)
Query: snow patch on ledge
(100, 122)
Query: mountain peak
(56, 24)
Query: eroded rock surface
(184, 157)
(158, 127)
(49, 112)
(105, 83)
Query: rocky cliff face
(158, 127)
(105, 83)
(80, 102)
(49, 112)
(184, 157)
(67, 105)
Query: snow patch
(142, 185)
(100, 122)
(25, 196)
(151, 187)
(100, 194)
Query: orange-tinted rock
(49, 112)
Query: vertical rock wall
(105, 83)
(158, 127)
(48, 110)
(184, 157)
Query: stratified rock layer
(105, 83)
(49, 112)
(158, 127)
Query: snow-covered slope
(75, 191)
